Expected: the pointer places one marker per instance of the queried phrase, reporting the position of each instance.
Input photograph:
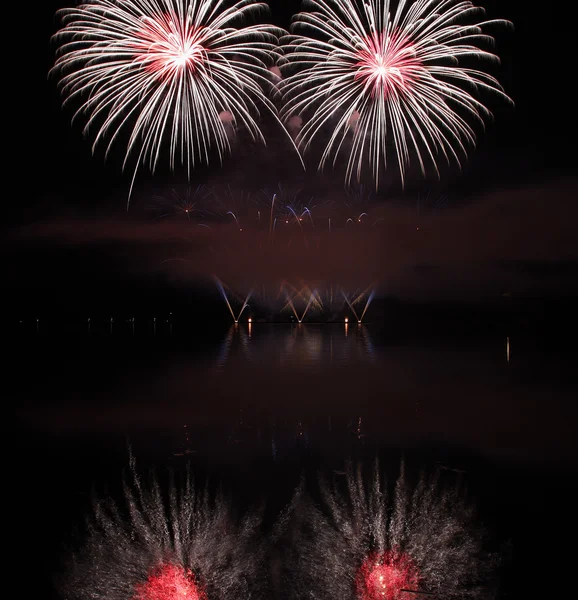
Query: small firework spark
(182, 544)
(363, 544)
(188, 203)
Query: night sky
(515, 196)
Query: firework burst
(180, 73)
(186, 203)
(166, 546)
(386, 80)
(364, 545)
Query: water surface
(498, 396)
(255, 406)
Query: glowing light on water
(385, 576)
(170, 582)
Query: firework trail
(383, 77)
(180, 73)
(363, 544)
(166, 546)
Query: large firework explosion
(184, 74)
(182, 544)
(387, 77)
(366, 544)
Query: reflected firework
(365, 544)
(386, 576)
(166, 545)
(170, 582)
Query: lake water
(256, 404)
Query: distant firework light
(383, 79)
(362, 544)
(166, 544)
(180, 74)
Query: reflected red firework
(386, 576)
(170, 582)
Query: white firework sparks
(363, 544)
(178, 72)
(163, 545)
(378, 76)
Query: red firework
(387, 65)
(386, 576)
(170, 582)
(168, 47)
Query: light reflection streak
(299, 345)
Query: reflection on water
(298, 346)
(277, 386)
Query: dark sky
(529, 148)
